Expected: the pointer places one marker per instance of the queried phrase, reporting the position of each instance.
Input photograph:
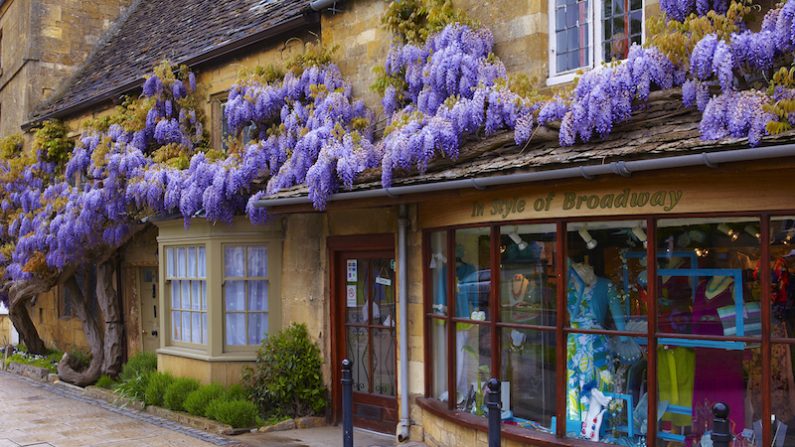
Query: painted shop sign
(665, 200)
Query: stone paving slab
(50, 415)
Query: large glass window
(186, 272)
(245, 294)
(497, 314)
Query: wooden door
(365, 326)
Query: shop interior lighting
(728, 231)
(752, 230)
(641, 235)
(586, 237)
(514, 235)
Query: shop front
(616, 310)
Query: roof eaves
(305, 19)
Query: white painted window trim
(595, 11)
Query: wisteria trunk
(19, 295)
(93, 335)
(114, 330)
(27, 330)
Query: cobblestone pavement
(38, 414)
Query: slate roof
(181, 31)
(664, 128)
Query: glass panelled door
(369, 321)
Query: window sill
(523, 435)
(203, 356)
(563, 78)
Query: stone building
(470, 270)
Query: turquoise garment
(587, 353)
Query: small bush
(156, 388)
(235, 392)
(287, 379)
(138, 364)
(135, 388)
(105, 381)
(197, 401)
(237, 413)
(177, 392)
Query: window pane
(257, 295)
(384, 361)
(176, 322)
(527, 275)
(439, 357)
(192, 262)
(202, 260)
(235, 329)
(175, 295)
(606, 280)
(473, 360)
(528, 374)
(706, 282)
(692, 379)
(170, 263)
(257, 327)
(257, 261)
(196, 327)
(186, 330)
(181, 263)
(782, 394)
(438, 269)
(235, 295)
(782, 287)
(472, 273)
(233, 261)
(185, 294)
(204, 295)
(196, 296)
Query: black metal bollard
(347, 404)
(494, 406)
(721, 432)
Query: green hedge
(237, 413)
(177, 392)
(197, 401)
(156, 388)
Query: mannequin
(590, 298)
(597, 405)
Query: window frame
(562, 327)
(168, 298)
(595, 12)
(246, 278)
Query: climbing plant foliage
(66, 201)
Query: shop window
(606, 302)
(245, 295)
(708, 300)
(438, 268)
(589, 32)
(186, 272)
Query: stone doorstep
(297, 423)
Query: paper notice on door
(351, 296)
(352, 271)
(383, 281)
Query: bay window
(618, 331)
(219, 296)
(585, 33)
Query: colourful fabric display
(676, 368)
(752, 319)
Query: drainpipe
(319, 5)
(622, 168)
(403, 326)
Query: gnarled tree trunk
(19, 294)
(114, 330)
(93, 336)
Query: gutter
(298, 22)
(622, 168)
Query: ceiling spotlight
(586, 237)
(517, 240)
(752, 230)
(641, 235)
(701, 252)
(728, 231)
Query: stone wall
(58, 332)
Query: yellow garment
(676, 370)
